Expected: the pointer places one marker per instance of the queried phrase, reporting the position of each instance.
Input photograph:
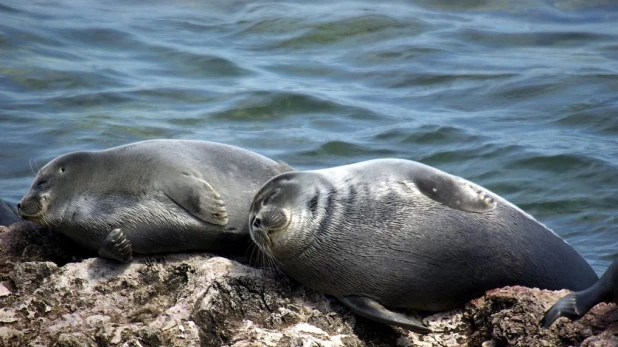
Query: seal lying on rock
(399, 234)
(150, 197)
(575, 305)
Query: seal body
(149, 197)
(399, 234)
(575, 305)
(7, 215)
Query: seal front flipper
(372, 310)
(452, 191)
(197, 197)
(116, 246)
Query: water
(518, 96)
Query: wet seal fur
(391, 234)
(575, 305)
(150, 197)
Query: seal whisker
(46, 223)
(273, 264)
(255, 254)
(31, 168)
(49, 223)
(249, 253)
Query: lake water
(518, 96)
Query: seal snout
(257, 223)
(29, 207)
(259, 235)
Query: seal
(575, 305)
(391, 234)
(8, 215)
(150, 197)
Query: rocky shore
(53, 295)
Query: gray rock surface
(51, 295)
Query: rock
(4, 290)
(31, 274)
(57, 298)
(25, 241)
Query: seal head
(281, 214)
(65, 170)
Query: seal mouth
(259, 235)
(30, 210)
(271, 220)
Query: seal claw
(116, 246)
(198, 198)
(453, 191)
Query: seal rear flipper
(116, 246)
(371, 309)
(197, 197)
(573, 306)
(452, 191)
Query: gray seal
(575, 305)
(392, 234)
(150, 197)
(8, 215)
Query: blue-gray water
(518, 96)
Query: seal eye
(62, 169)
(41, 184)
(270, 197)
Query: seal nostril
(257, 223)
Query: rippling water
(519, 96)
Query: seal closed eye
(389, 235)
(150, 197)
